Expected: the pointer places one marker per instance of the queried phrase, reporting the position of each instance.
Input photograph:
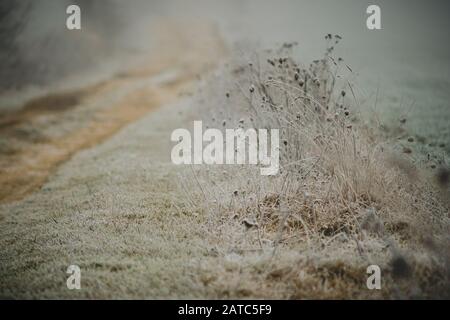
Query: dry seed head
(443, 177)
(400, 267)
(407, 150)
(249, 224)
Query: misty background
(407, 62)
(37, 49)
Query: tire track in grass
(48, 130)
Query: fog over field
(88, 122)
(407, 62)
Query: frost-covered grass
(344, 198)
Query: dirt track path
(111, 208)
(50, 129)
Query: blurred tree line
(36, 48)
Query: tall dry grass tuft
(343, 199)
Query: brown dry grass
(343, 200)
